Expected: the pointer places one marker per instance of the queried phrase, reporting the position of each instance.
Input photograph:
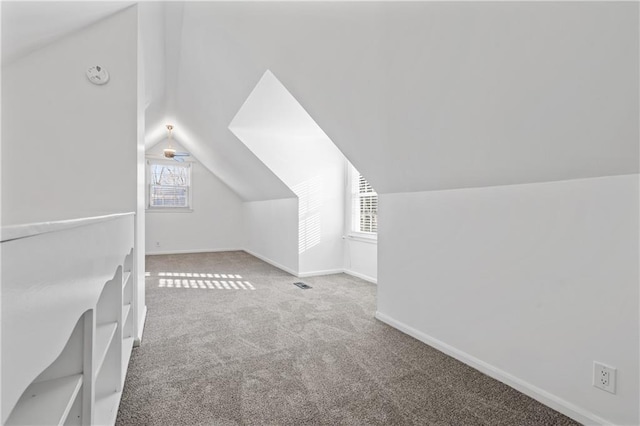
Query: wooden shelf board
(47, 402)
(127, 347)
(104, 337)
(126, 276)
(106, 409)
(125, 313)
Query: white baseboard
(188, 251)
(361, 276)
(312, 273)
(577, 413)
(271, 262)
(138, 339)
(317, 273)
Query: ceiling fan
(170, 152)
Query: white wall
(69, 147)
(531, 283)
(320, 220)
(360, 250)
(271, 232)
(148, 51)
(215, 224)
(361, 258)
(275, 127)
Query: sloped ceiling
(154, 51)
(27, 26)
(427, 95)
(207, 95)
(417, 95)
(273, 125)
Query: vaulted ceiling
(418, 95)
(27, 26)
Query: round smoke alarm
(98, 75)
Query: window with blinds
(170, 185)
(366, 203)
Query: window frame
(169, 209)
(354, 231)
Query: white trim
(311, 273)
(138, 339)
(355, 216)
(188, 251)
(271, 262)
(14, 232)
(577, 413)
(362, 237)
(318, 273)
(161, 158)
(361, 276)
(148, 178)
(168, 210)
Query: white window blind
(170, 185)
(366, 203)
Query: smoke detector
(98, 75)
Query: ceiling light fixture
(169, 152)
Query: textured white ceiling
(29, 25)
(430, 95)
(273, 125)
(417, 95)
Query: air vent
(302, 285)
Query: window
(169, 185)
(368, 206)
(365, 205)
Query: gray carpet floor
(236, 343)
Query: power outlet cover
(604, 377)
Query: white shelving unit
(127, 313)
(114, 315)
(83, 384)
(48, 402)
(53, 398)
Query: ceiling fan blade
(182, 154)
(178, 159)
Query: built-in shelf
(125, 312)
(46, 403)
(104, 336)
(127, 347)
(106, 409)
(66, 374)
(125, 278)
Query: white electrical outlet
(604, 377)
(157, 243)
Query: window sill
(362, 237)
(168, 210)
